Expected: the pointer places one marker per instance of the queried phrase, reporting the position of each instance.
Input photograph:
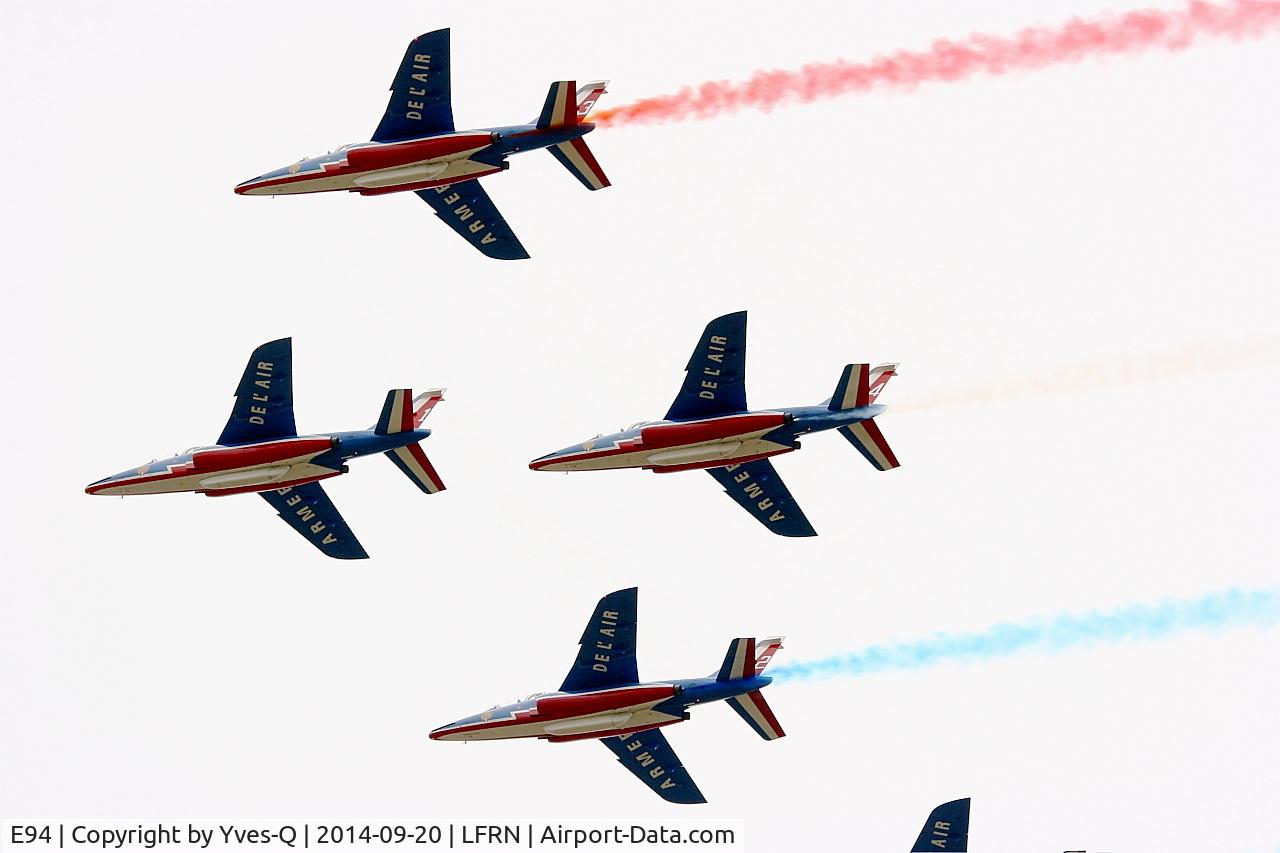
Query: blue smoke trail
(1233, 608)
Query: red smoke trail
(1035, 47)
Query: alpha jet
(416, 148)
(260, 451)
(603, 698)
(709, 427)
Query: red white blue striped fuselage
(609, 712)
(254, 467)
(666, 446)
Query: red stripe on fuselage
(253, 455)
(697, 432)
(227, 458)
(575, 705)
(401, 153)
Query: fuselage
(374, 168)
(219, 470)
(666, 446)
(597, 713)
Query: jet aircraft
(603, 698)
(416, 148)
(947, 829)
(260, 451)
(710, 427)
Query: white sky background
(175, 656)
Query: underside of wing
(467, 209)
(715, 377)
(264, 398)
(420, 102)
(308, 510)
(757, 488)
(607, 650)
(648, 755)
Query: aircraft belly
(698, 453)
(403, 175)
(735, 447)
(248, 477)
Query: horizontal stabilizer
(417, 467)
(575, 156)
(866, 436)
(752, 708)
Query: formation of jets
(709, 426)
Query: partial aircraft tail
(566, 107)
(859, 386)
(742, 661)
(946, 829)
(403, 412)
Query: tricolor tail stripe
(575, 156)
(424, 403)
(587, 97)
(417, 467)
(561, 106)
(739, 661)
(752, 708)
(397, 413)
(866, 436)
(765, 651)
(853, 390)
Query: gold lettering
(329, 539)
(451, 198)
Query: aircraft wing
(420, 103)
(264, 398)
(607, 650)
(715, 378)
(759, 490)
(946, 829)
(308, 510)
(467, 209)
(648, 755)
